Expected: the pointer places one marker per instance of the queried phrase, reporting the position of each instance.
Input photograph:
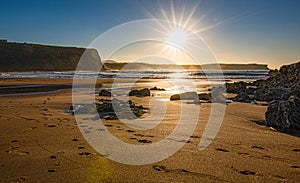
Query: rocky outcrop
(283, 90)
(140, 93)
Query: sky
(236, 31)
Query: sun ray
(173, 12)
(182, 13)
(228, 20)
(191, 14)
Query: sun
(176, 38)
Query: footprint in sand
(278, 177)
(222, 150)
(52, 157)
(296, 150)
(21, 179)
(164, 169)
(295, 166)
(84, 153)
(27, 119)
(247, 172)
(18, 152)
(144, 141)
(182, 141)
(139, 135)
(257, 147)
(50, 125)
(160, 168)
(267, 157)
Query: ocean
(227, 75)
(171, 81)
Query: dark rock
(273, 73)
(243, 97)
(263, 94)
(236, 87)
(158, 89)
(175, 97)
(204, 96)
(105, 93)
(185, 96)
(140, 93)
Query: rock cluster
(284, 88)
(282, 92)
(110, 109)
(216, 96)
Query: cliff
(19, 57)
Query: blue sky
(238, 31)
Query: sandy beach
(40, 142)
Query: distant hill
(112, 65)
(17, 57)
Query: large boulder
(140, 93)
(284, 114)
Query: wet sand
(40, 142)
